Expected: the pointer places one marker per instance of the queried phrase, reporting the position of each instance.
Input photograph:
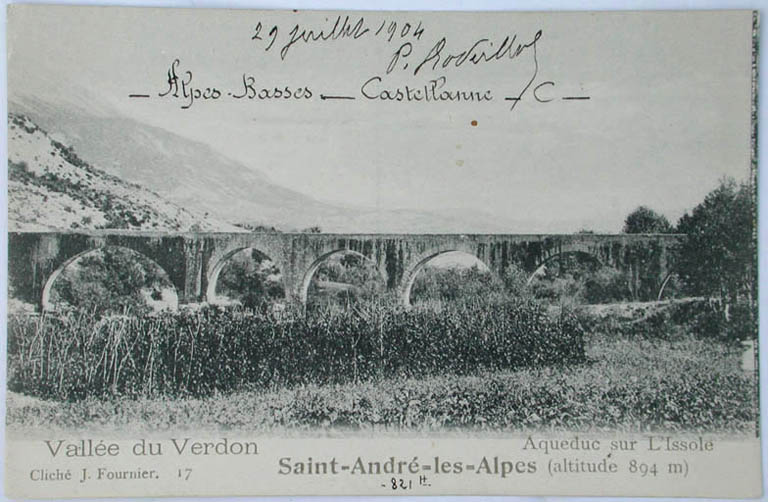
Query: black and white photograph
(527, 238)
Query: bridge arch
(409, 276)
(45, 299)
(224, 260)
(189, 258)
(671, 274)
(315, 265)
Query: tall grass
(631, 384)
(77, 355)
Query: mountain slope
(193, 175)
(189, 173)
(51, 187)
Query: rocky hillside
(197, 177)
(51, 187)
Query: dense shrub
(112, 280)
(710, 322)
(345, 279)
(198, 353)
(576, 278)
(694, 316)
(565, 289)
(606, 285)
(454, 283)
(251, 279)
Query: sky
(667, 114)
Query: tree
(251, 278)
(718, 259)
(717, 256)
(645, 220)
(111, 280)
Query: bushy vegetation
(251, 279)
(718, 258)
(345, 279)
(198, 353)
(453, 283)
(112, 280)
(693, 316)
(572, 280)
(629, 383)
(577, 278)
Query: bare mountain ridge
(50, 187)
(193, 175)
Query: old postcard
(381, 253)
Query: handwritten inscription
(181, 88)
(347, 28)
(427, 66)
(433, 90)
(481, 51)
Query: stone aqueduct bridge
(193, 261)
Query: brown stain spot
(474, 123)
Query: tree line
(717, 257)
